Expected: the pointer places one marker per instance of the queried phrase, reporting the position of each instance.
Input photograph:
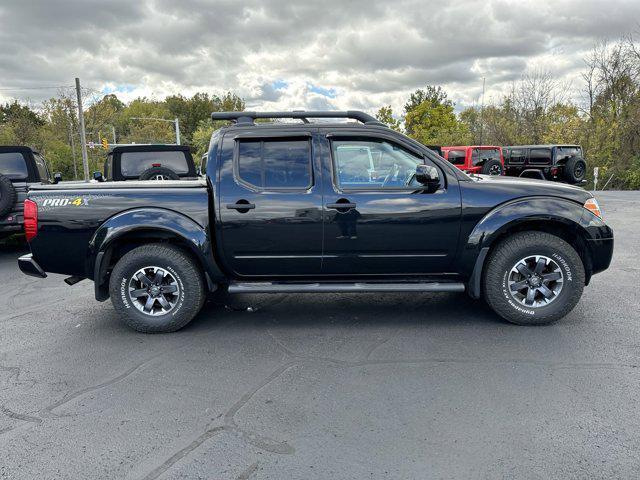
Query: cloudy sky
(288, 54)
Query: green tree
(385, 115)
(433, 123)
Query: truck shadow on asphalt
(335, 310)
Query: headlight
(593, 207)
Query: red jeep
(484, 159)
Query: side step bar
(267, 287)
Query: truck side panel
(68, 219)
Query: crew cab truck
(478, 159)
(149, 162)
(564, 163)
(20, 168)
(319, 207)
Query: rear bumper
(30, 267)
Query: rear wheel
(156, 288)
(533, 278)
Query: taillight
(30, 219)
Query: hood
(523, 187)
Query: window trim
(266, 138)
(340, 189)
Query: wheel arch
(133, 228)
(560, 217)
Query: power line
(34, 88)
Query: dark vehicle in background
(436, 148)
(20, 167)
(315, 208)
(547, 162)
(149, 162)
(483, 159)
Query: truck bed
(121, 185)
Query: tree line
(53, 129)
(537, 109)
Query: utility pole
(83, 136)
(177, 131)
(482, 112)
(73, 150)
(113, 130)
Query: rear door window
(132, 164)
(516, 156)
(457, 157)
(275, 163)
(13, 165)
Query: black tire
(575, 170)
(159, 173)
(178, 266)
(498, 273)
(8, 196)
(492, 167)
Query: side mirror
(428, 176)
(57, 177)
(97, 176)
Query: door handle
(342, 206)
(241, 205)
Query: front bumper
(601, 252)
(30, 267)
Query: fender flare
(162, 220)
(511, 214)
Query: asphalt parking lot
(324, 386)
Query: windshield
(12, 165)
(132, 164)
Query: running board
(267, 287)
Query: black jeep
(149, 162)
(19, 168)
(547, 162)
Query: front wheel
(533, 278)
(156, 288)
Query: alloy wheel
(495, 170)
(154, 291)
(535, 281)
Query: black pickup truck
(319, 207)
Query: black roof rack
(247, 118)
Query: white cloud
(285, 54)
